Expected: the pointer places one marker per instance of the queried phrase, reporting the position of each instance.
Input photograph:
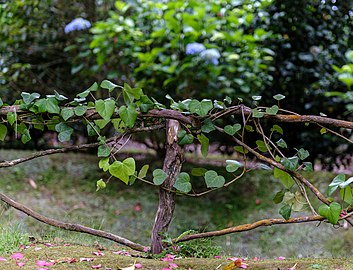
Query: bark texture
(172, 166)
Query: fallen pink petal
(42, 268)
(166, 268)
(98, 253)
(2, 259)
(233, 259)
(17, 256)
(20, 264)
(48, 244)
(86, 259)
(44, 263)
(217, 257)
(281, 258)
(256, 259)
(96, 266)
(138, 265)
(243, 265)
(173, 265)
(37, 248)
(71, 260)
(146, 249)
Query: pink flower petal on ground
(256, 259)
(138, 265)
(233, 259)
(37, 248)
(48, 244)
(86, 259)
(339, 268)
(17, 256)
(98, 253)
(146, 249)
(281, 258)
(96, 266)
(173, 265)
(44, 263)
(20, 264)
(73, 260)
(2, 259)
(66, 245)
(217, 257)
(166, 268)
(42, 268)
(243, 265)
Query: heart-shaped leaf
(3, 132)
(128, 115)
(257, 114)
(184, 137)
(108, 85)
(284, 177)
(105, 108)
(204, 144)
(182, 183)
(28, 98)
(143, 171)
(100, 184)
(273, 110)
(279, 97)
(231, 130)
(200, 108)
(331, 212)
(159, 176)
(213, 180)
(198, 171)
(123, 170)
(285, 211)
(104, 164)
(232, 165)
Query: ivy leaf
(290, 163)
(100, 184)
(146, 104)
(231, 130)
(108, 85)
(3, 132)
(277, 128)
(256, 98)
(159, 176)
(336, 182)
(128, 115)
(143, 171)
(279, 97)
(241, 149)
(28, 98)
(104, 164)
(232, 165)
(59, 97)
(278, 197)
(92, 130)
(346, 195)
(64, 131)
(123, 170)
(80, 110)
(66, 113)
(273, 110)
(130, 94)
(101, 123)
(257, 114)
(184, 137)
(331, 212)
(285, 211)
(323, 131)
(308, 167)
(182, 183)
(281, 143)
(198, 171)
(284, 177)
(302, 153)
(92, 88)
(200, 108)
(105, 108)
(1, 102)
(213, 180)
(103, 151)
(207, 126)
(204, 144)
(262, 146)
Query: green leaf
(262, 146)
(303, 154)
(101, 123)
(198, 171)
(3, 132)
(66, 113)
(143, 171)
(256, 98)
(241, 149)
(1, 102)
(308, 167)
(281, 143)
(108, 85)
(279, 97)
(290, 163)
(346, 195)
(159, 176)
(28, 98)
(64, 131)
(231, 130)
(257, 114)
(59, 97)
(207, 126)
(146, 104)
(103, 151)
(323, 131)
(105, 108)
(200, 108)
(123, 170)
(184, 137)
(277, 128)
(336, 182)
(284, 177)
(182, 183)
(213, 180)
(128, 115)
(104, 164)
(92, 88)
(346, 183)
(130, 94)
(278, 197)
(93, 130)
(232, 165)
(204, 144)
(331, 212)
(100, 184)
(273, 110)
(80, 110)
(285, 211)
(346, 78)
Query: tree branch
(70, 226)
(248, 227)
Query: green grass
(11, 239)
(65, 189)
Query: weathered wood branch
(248, 227)
(70, 226)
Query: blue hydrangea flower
(211, 56)
(194, 48)
(77, 24)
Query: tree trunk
(172, 166)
